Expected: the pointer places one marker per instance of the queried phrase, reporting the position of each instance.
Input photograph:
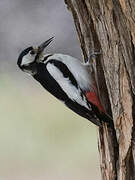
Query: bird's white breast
(79, 71)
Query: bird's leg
(91, 56)
(91, 64)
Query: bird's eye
(32, 52)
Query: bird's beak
(44, 45)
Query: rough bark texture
(109, 25)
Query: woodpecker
(67, 79)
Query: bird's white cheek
(27, 59)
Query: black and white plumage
(66, 78)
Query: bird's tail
(107, 119)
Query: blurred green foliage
(40, 138)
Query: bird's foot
(92, 56)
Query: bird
(66, 78)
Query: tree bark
(109, 25)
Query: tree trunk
(109, 25)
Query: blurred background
(39, 137)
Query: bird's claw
(91, 56)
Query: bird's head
(30, 56)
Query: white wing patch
(79, 71)
(66, 85)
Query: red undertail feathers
(92, 97)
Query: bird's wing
(60, 72)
